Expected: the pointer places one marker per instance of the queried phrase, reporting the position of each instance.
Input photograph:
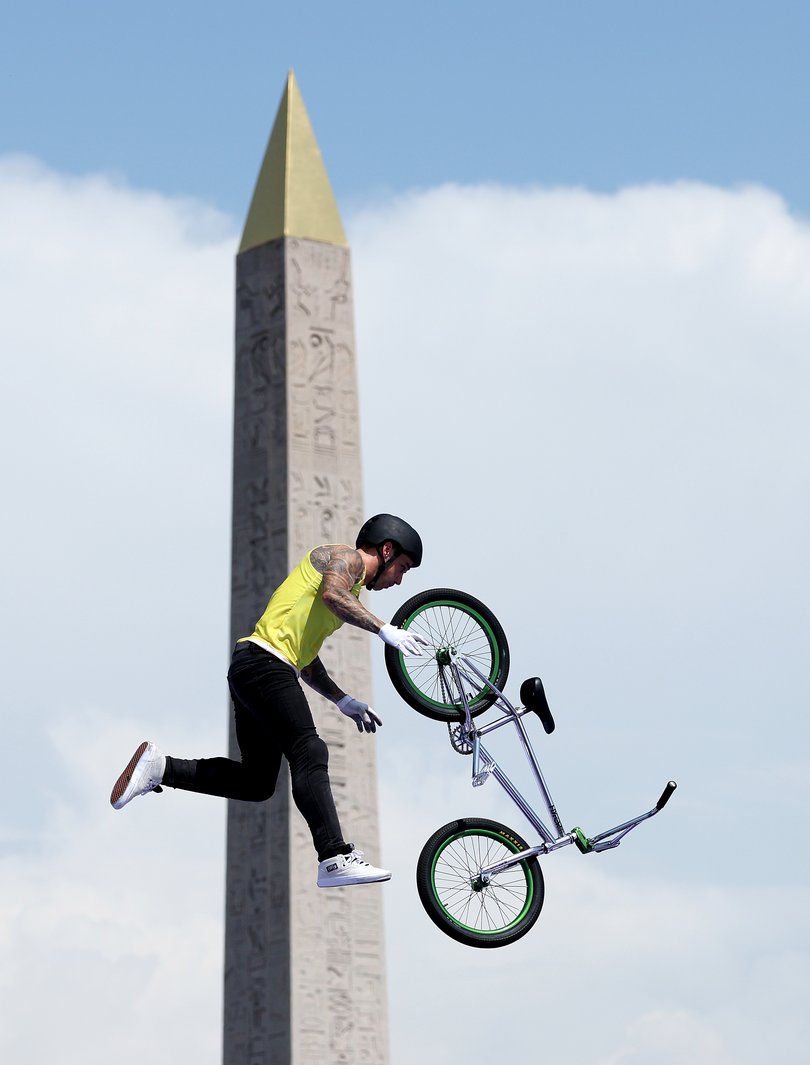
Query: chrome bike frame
(484, 766)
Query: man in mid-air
(271, 713)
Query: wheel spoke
(451, 623)
(448, 626)
(489, 908)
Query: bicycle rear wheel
(449, 620)
(454, 896)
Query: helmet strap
(383, 564)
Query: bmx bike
(479, 881)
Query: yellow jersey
(297, 621)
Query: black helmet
(384, 527)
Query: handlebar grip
(665, 795)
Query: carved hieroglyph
(304, 968)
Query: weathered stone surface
(304, 969)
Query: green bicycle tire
(448, 618)
(491, 915)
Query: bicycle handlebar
(665, 795)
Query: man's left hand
(364, 717)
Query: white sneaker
(144, 773)
(349, 868)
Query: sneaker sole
(118, 796)
(348, 881)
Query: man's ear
(387, 554)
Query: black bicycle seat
(533, 697)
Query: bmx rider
(272, 716)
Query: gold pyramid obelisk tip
(293, 197)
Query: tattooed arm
(318, 679)
(342, 568)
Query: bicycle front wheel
(449, 620)
(455, 896)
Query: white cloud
(598, 406)
(614, 389)
(670, 1037)
(623, 954)
(110, 929)
(115, 431)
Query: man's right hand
(361, 713)
(406, 642)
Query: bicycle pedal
(481, 778)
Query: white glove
(364, 716)
(404, 641)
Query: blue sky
(581, 263)
(181, 98)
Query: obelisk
(304, 968)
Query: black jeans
(272, 719)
